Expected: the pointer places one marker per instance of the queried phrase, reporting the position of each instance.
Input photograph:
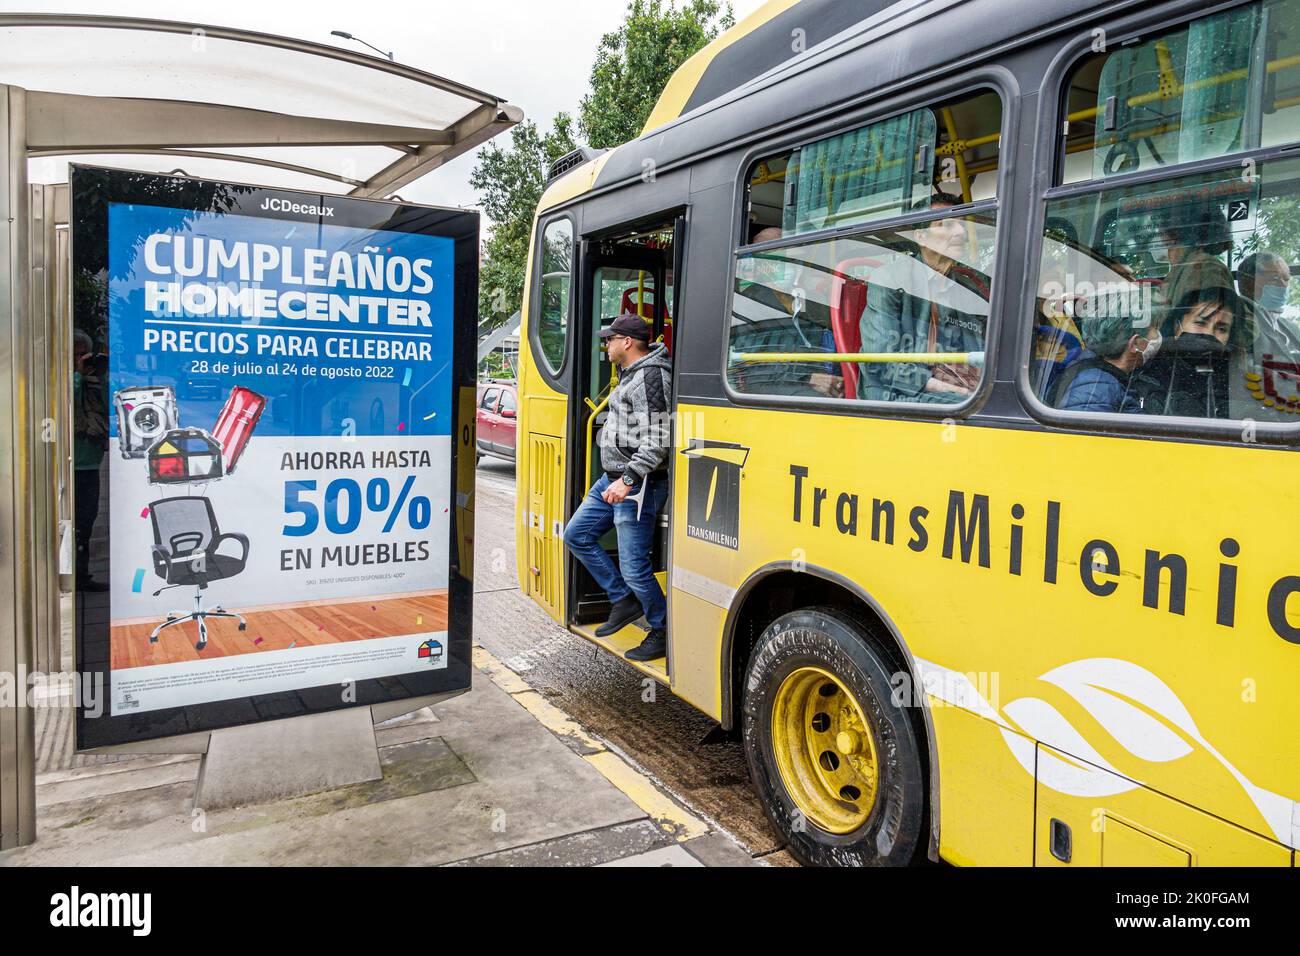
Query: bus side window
(1218, 85)
(765, 198)
(901, 311)
(553, 306)
(1173, 297)
(915, 297)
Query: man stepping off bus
(630, 494)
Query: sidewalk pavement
(496, 777)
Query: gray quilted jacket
(638, 429)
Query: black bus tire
(788, 655)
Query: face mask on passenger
(1152, 347)
(1160, 254)
(1198, 343)
(1272, 298)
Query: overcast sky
(536, 54)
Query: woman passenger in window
(1193, 236)
(1191, 375)
(926, 300)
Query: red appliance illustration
(236, 422)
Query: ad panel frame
(93, 191)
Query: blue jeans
(633, 574)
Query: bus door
(628, 273)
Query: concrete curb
(669, 815)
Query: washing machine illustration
(144, 414)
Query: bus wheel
(834, 759)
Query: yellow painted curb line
(666, 812)
(555, 720)
(662, 809)
(502, 676)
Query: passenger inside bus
(849, 288)
(1263, 279)
(1194, 237)
(1058, 342)
(768, 284)
(1107, 377)
(1268, 369)
(1211, 312)
(915, 310)
(1198, 92)
(1190, 375)
(1224, 354)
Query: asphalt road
(609, 698)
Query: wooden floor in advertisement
(279, 628)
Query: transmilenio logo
(713, 491)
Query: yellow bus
(984, 522)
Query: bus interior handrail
(926, 358)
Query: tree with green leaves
(510, 182)
(633, 65)
(635, 62)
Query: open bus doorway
(631, 271)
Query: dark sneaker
(654, 646)
(622, 614)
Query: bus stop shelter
(165, 97)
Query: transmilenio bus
(984, 523)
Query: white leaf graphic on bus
(1111, 690)
(1126, 700)
(1041, 721)
(1101, 684)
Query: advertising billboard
(267, 404)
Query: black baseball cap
(629, 323)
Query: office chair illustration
(187, 553)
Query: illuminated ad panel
(265, 415)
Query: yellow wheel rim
(825, 750)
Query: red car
(498, 405)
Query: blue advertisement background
(415, 401)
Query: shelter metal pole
(17, 727)
(59, 350)
(44, 552)
(58, 197)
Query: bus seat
(630, 302)
(1043, 372)
(846, 315)
(629, 305)
(848, 301)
